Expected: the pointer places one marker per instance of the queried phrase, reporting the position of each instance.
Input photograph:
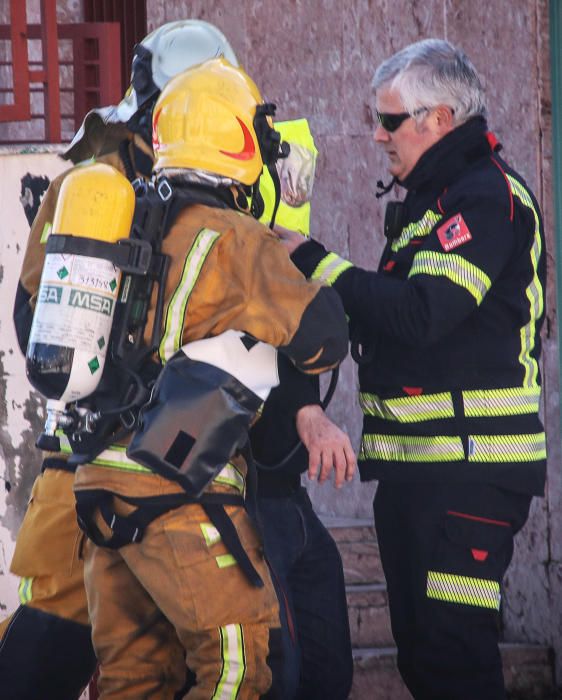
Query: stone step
(375, 675)
(357, 543)
(527, 670)
(369, 618)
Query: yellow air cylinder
(78, 292)
(95, 201)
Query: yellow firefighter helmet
(204, 120)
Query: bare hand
(290, 239)
(328, 446)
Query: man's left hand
(328, 446)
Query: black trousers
(308, 575)
(445, 549)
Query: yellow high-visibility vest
(296, 218)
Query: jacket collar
(441, 163)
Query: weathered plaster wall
(316, 58)
(21, 409)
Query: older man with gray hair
(447, 337)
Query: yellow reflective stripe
(210, 533)
(416, 229)
(175, 315)
(230, 476)
(24, 590)
(46, 232)
(330, 268)
(453, 267)
(115, 457)
(225, 560)
(533, 292)
(465, 590)
(408, 409)
(483, 403)
(233, 663)
(507, 448)
(64, 442)
(411, 448)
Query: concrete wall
(316, 58)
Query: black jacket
(450, 323)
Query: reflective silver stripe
(175, 316)
(411, 448)
(116, 457)
(507, 448)
(210, 533)
(533, 292)
(330, 268)
(230, 476)
(483, 403)
(416, 229)
(454, 268)
(233, 663)
(465, 590)
(408, 409)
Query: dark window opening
(131, 15)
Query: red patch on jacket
(479, 554)
(453, 233)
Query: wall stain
(21, 463)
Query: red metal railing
(20, 109)
(96, 51)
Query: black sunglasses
(391, 122)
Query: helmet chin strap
(271, 149)
(141, 121)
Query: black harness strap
(221, 520)
(132, 256)
(129, 529)
(126, 159)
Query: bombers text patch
(453, 233)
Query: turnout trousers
(444, 550)
(45, 645)
(178, 583)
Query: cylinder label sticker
(75, 303)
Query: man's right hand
(290, 239)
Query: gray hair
(431, 73)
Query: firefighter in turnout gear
(227, 272)
(447, 337)
(53, 613)
(54, 609)
(52, 621)
(32, 540)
